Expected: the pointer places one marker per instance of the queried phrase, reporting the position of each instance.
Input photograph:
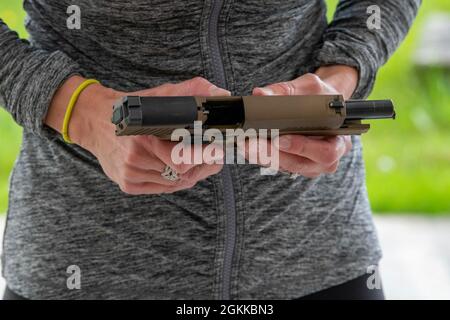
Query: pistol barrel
(374, 109)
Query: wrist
(91, 117)
(343, 78)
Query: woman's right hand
(135, 163)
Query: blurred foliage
(13, 15)
(407, 160)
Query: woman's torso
(282, 238)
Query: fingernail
(216, 91)
(284, 143)
(266, 91)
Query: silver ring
(294, 176)
(170, 174)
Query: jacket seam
(242, 208)
(203, 52)
(226, 44)
(216, 247)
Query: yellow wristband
(72, 102)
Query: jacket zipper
(227, 180)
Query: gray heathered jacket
(238, 234)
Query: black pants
(355, 289)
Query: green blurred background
(408, 160)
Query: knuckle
(315, 87)
(348, 142)
(330, 154)
(153, 143)
(127, 187)
(126, 172)
(298, 144)
(149, 140)
(314, 83)
(181, 168)
(333, 168)
(167, 87)
(198, 81)
(287, 88)
(312, 77)
(130, 158)
(131, 154)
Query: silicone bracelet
(72, 102)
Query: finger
(297, 164)
(286, 161)
(328, 170)
(332, 168)
(324, 151)
(197, 154)
(252, 149)
(144, 162)
(194, 87)
(258, 150)
(137, 175)
(163, 150)
(348, 144)
(150, 188)
(307, 84)
(311, 175)
(347, 140)
(137, 155)
(201, 172)
(142, 188)
(213, 153)
(201, 87)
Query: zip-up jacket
(236, 235)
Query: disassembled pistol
(306, 115)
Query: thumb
(276, 89)
(199, 87)
(193, 87)
(265, 91)
(306, 84)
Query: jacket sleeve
(349, 41)
(29, 78)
